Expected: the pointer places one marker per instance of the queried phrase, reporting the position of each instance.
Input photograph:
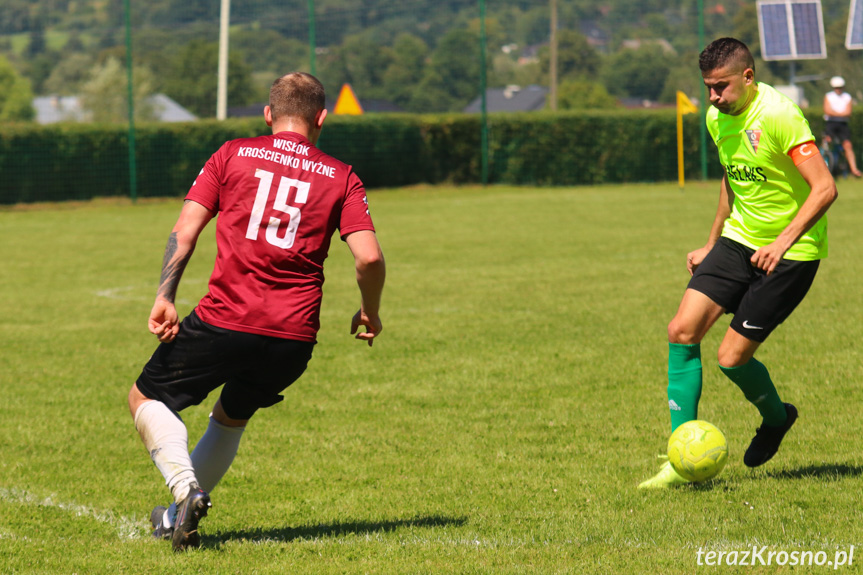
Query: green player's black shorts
(254, 368)
(759, 302)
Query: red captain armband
(803, 152)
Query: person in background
(837, 114)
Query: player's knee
(221, 417)
(678, 332)
(731, 357)
(136, 399)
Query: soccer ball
(697, 450)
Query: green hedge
(81, 161)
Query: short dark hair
(297, 95)
(724, 52)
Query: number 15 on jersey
(280, 204)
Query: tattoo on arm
(172, 269)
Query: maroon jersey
(279, 201)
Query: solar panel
(791, 29)
(854, 36)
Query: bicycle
(834, 156)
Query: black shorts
(254, 368)
(759, 302)
(838, 131)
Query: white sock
(166, 439)
(214, 453)
(211, 459)
(168, 516)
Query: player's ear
(268, 115)
(319, 119)
(749, 75)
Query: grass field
(500, 424)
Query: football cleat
(667, 477)
(767, 438)
(189, 512)
(159, 529)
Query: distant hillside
(419, 54)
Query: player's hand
(372, 323)
(768, 257)
(163, 320)
(694, 259)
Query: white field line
(14, 536)
(478, 542)
(125, 293)
(131, 528)
(126, 527)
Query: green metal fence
(133, 64)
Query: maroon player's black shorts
(254, 368)
(759, 302)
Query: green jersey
(768, 189)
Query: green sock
(684, 382)
(752, 378)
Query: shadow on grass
(823, 471)
(710, 485)
(287, 534)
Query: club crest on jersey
(754, 138)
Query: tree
(532, 26)
(451, 80)
(105, 95)
(584, 95)
(192, 10)
(74, 44)
(745, 24)
(638, 73)
(191, 78)
(70, 73)
(270, 55)
(364, 62)
(431, 95)
(575, 57)
(36, 43)
(268, 51)
(506, 70)
(684, 77)
(16, 97)
(15, 16)
(39, 68)
(409, 54)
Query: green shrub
(80, 161)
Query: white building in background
(53, 109)
(795, 93)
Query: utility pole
(222, 88)
(483, 99)
(552, 72)
(312, 44)
(130, 93)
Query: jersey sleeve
(207, 186)
(355, 211)
(791, 128)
